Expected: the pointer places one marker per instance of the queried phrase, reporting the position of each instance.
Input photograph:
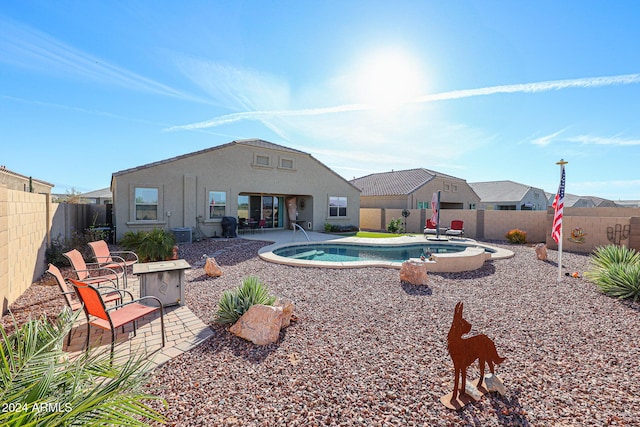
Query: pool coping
(462, 261)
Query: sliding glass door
(265, 209)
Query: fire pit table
(162, 279)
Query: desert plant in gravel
(616, 271)
(234, 303)
(516, 236)
(395, 226)
(154, 245)
(41, 386)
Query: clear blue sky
(482, 90)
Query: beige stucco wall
(24, 225)
(15, 181)
(184, 184)
(452, 191)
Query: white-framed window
(217, 203)
(424, 205)
(146, 204)
(337, 206)
(472, 205)
(447, 186)
(454, 188)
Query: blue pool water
(332, 252)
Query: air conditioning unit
(182, 235)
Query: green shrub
(395, 226)
(49, 388)
(54, 252)
(327, 227)
(616, 271)
(516, 236)
(154, 245)
(233, 304)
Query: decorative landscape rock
(212, 268)
(414, 271)
(541, 251)
(260, 324)
(287, 310)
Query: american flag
(434, 208)
(558, 207)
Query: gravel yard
(368, 350)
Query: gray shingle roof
(395, 183)
(500, 191)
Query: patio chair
(112, 318)
(430, 227)
(117, 260)
(456, 229)
(109, 293)
(92, 273)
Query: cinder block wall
(24, 226)
(370, 218)
(584, 229)
(499, 223)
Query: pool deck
(469, 259)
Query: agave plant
(41, 386)
(605, 256)
(233, 304)
(616, 271)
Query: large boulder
(260, 324)
(414, 271)
(212, 268)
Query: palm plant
(157, 245)
(616, 271)
(154, 245)
(42, 386)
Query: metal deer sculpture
(465, 351)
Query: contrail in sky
(589, 82)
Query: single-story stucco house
(261, 184)
(509, 196)
(413, 189)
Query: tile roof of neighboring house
(395, 183)
(500, 191)
(4, 169)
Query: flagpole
(561, 163)
(438, 223)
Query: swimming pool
(336, 252)
(350, 252)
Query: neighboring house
(510, 196)
(15, 181)
(574, 201)
(413, 189)
(261, 184)
(98, 197)
(628, 203)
